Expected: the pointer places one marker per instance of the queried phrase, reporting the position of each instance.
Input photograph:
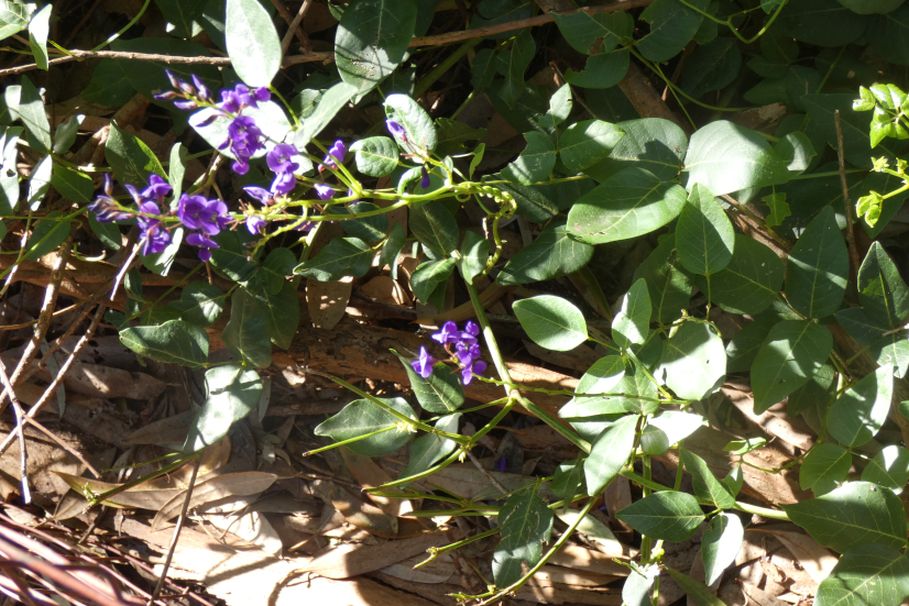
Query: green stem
(511, 389)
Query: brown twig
(41, 325)
(20, 432)
(55, 383)
(510, 26)
(316, 57)
(293, 27)
(173, 544)
(847, 204)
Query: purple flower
(234, 100)
(154, 238)
(280, 161)
(189, 95)
(423, 364)
(156, 190)
(199, 214)
(152, 234)
(325, 192)
(105, 207)
(336, 154)
(203, 243)
(449, 333)
(255, 224)
(396, 129)
(476, 369)
(463, 346)
(266, 197)
(244, 139)
(424, 179)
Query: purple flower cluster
(336, 155)
(152, 234)
(185, 95)
(244, 138)
(462, 345)
(204, 219)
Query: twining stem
(511, 389)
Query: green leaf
(536, 161)
(419, 136)
(372, 39)
(330, 103)
(375, 156)
(525, 523)
(9, 173)
(72, 184)
(282, 313)
(173, 342)
(697, 592)
(857, 415)
(751, 281)
(38, 30)
(130, 158)
(693, 363)
(672, 27)
(882, 291)
(855, 514)
(231, 392)
(793, 352)
(668, 428)
(551, 322)
(474, 255)
(440, 393)
(14, 15)
(712, 66)
(887, 346)
(49, 233)
(609, 454)
(252, 42)
(670, 288)
(889, 467)
(247, 330)
(25, 104)
(630, 203)
(866, 574)
(821, 23)
(818, 267)
(705, 484)
(593, 34)
(726, 157)
(176, 167)
(181, 16)
(553, 254)
(429, 276)
(668, 515)
(434, 224)
(722, 540)
(560, 104)
(612, 392)
(656, 144)
(585, 143)
(428, 449)
(362, 417)
(638, 587)
(39, 182)
(341, 257)
(601, 71)
(704, 237)
(825, 466)
(201, 303)
(631, 324)
(872, 7)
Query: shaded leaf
(609, 454)
(857, 415)
(174, 341)
(668, 515)
(818, 267)
(362, 417)
(793, 352)
(722, 540)
(231, 392)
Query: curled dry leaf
(326, 301)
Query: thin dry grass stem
(293, 25)
(64, 368)
(20, 433)
(173, 543)
(41, 325)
